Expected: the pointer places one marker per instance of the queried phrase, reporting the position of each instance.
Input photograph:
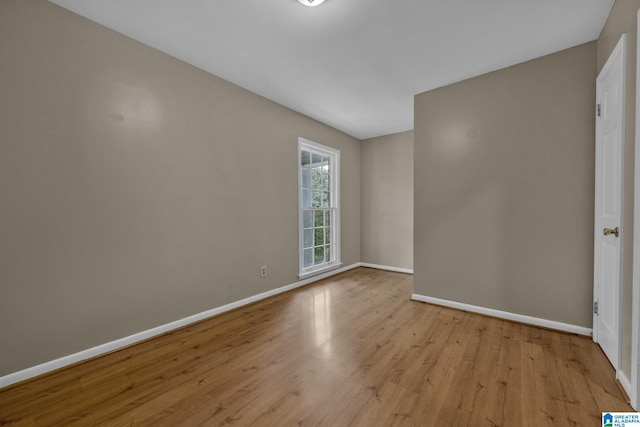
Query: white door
(608, 203)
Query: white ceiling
(352, 64)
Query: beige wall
(386, 223)
(504, 172)
(136, 189)
(622, 19)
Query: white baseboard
(386, 267)
(551, 324)
(150, 333)
(624, 381)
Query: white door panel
(608, 203)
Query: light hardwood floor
(351, 350)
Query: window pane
(308, 238)
(307, 219)
(327, 218)
(319, 255)
(325, 199)
(319, 219)
(325, 182)
(316, 159)
(308, 257)
(316, 177)
(325, 163)
(327, 235)
(327, 253)
(305, 157)
(306, 198)
(318, 236)
(316, 200)
(306, 178)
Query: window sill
(318, 272)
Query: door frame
(635, 302)
(620, 49)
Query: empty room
(319, 212)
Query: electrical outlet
(263, 271)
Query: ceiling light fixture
(310, 2)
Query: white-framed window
(319, 210)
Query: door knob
(615, 231)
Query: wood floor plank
(351, 350)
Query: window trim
(334, 155)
